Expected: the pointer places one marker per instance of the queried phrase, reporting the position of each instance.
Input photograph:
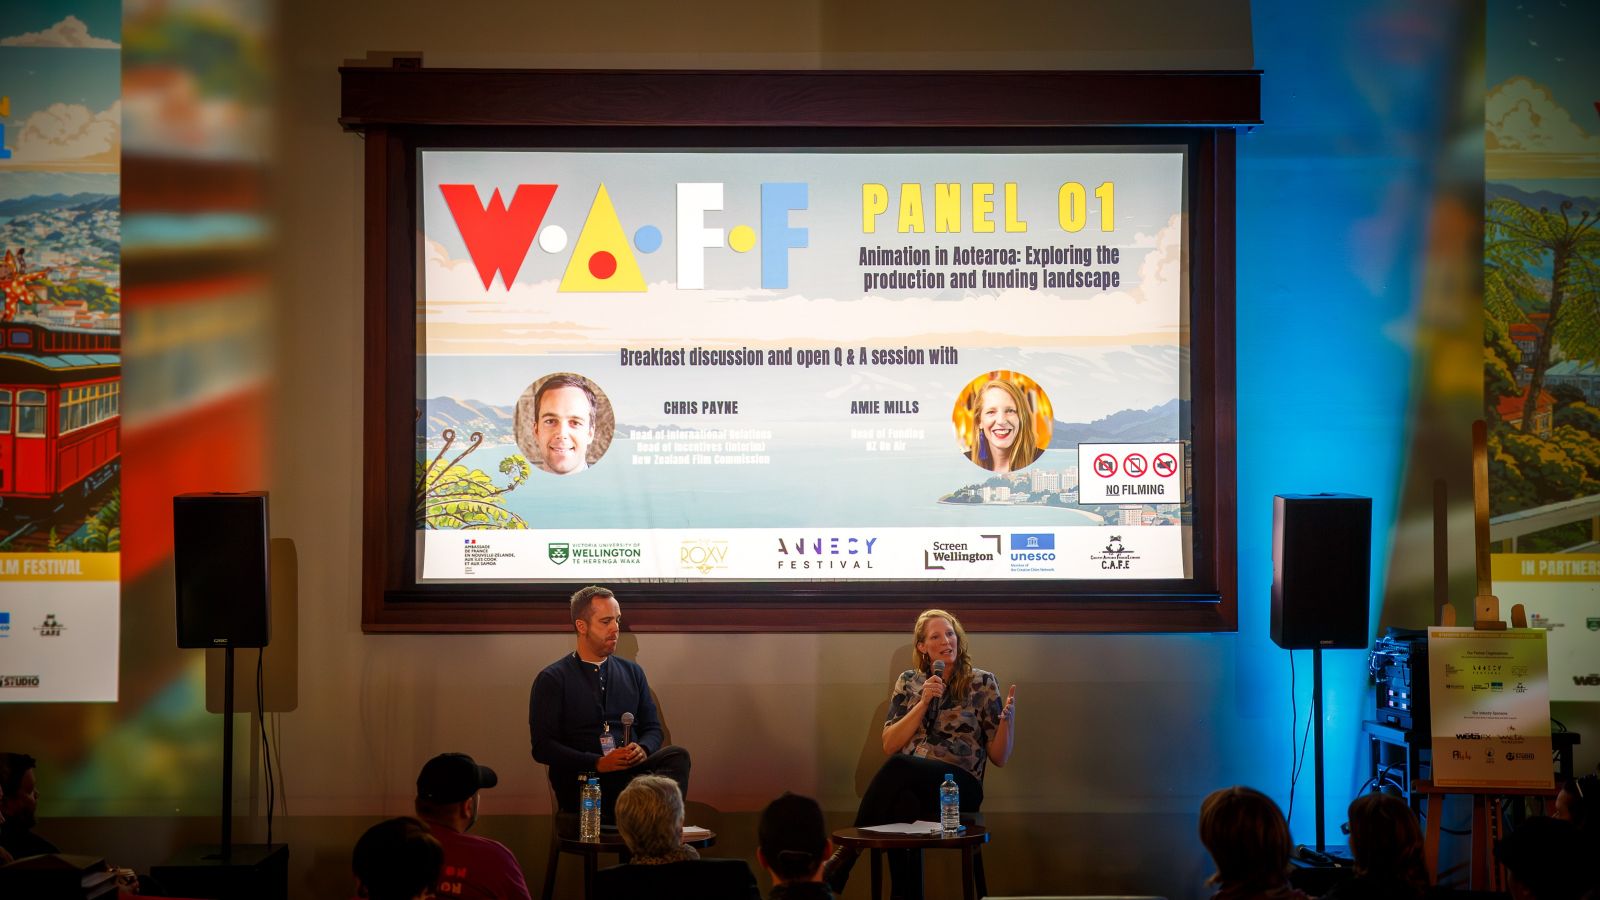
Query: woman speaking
(955, 723)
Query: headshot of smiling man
(563, 423)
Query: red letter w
(497, 238)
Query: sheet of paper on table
(905, 828)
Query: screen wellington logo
(498, 237)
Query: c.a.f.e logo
(498, 237)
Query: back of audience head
(1386, 841)
(1547, 860)
(19, 795)
(792, 839)
(1576, 800)
(1247, 838)
(650, 817)
(397, 860)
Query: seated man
(448, 801)
(19, 808)
(397, 860)
(576, 709)
(792, 844)
(663, 867)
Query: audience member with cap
(650, 819)
(448, 797)
(792, 844)
(1547, 860)
(397, 860)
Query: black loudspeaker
(224, 590)
(1321, 561)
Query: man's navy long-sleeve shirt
(565, 713)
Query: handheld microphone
(627, 728)
(935, 703)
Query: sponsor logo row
(50, 627)
(845, 554)
(1489, 757)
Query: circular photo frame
(563, 423)
(1003, 421)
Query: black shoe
(836, 869)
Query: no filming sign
(1130, 473)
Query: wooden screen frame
(403, 107)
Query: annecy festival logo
(498, 237)
(703, 556)
(1116, 555)
(941, 554)
(52, 627)
(559, 553)
(830, 552)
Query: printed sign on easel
(1490, 697)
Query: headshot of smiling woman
(1003, 422)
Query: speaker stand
(1316, 713)
(226, 850)
(236, 872)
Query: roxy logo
(498, 237)
(703, 556)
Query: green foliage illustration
(1534, 464)
(102, 533)
(1519, 239)
(455, 496)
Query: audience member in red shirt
(475, 868)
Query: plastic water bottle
(950, 804)
(589, 821)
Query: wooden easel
(1485, 874)
(1485, 605)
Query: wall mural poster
(1542, 302)
(60, 350)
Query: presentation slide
(818, 365)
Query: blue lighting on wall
(1335, 194)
